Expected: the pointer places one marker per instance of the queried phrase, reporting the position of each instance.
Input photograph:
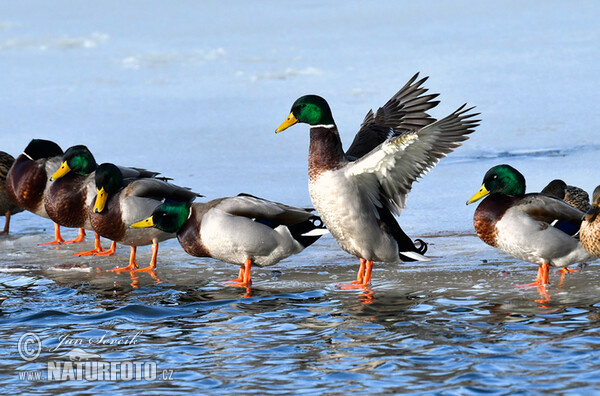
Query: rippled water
(455, 325)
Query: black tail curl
(306, 226)
(422, 248)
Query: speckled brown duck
(574, 196)
(534, 227)
(27, 180)
(590, 228)
(243, 230)
(7, 206)
(358, 192)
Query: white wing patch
(381, 159)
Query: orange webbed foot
(152, 265)
(57, 238)
(566, 270)
(110, 251)
(58, 241)
(363, 277)
(130, 267)
(80, 237)
(244, 279)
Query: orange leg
(152, 265)
(369, 269)
(563, 272)
(360, 276)
(566, 270)
(543, 276)
(80, 236)
(110, 251)
(132, 264)
(57, 238)
(545, 268)
(244, 279)
(363, 277)
(97, 248)
(7, 215)
(240, 277)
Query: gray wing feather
(254, 207)
(387, 173)
(546, 208)
(136, 173)
(405, 111)
(159, 190)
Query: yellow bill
(480, 194)
(144, 223)
(291, 120)
(101, 198)
(63, 170)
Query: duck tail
(417, 254)
(307, 232)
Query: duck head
(169, 217)
(595, 209)
(40, 148)
(109, 180)
(308, 109)
(77, 159)
(502, 179)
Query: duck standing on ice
(357, 193)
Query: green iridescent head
(502, 179)
(109, 180)
(77, 159)
(309, 109)
(169, 217)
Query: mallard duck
(590, 227)
(27, 180)
(572, 195)
(533, 227)
(123, 198)
(243, 230)
(357, 193)
(71, 192)
(7, 206)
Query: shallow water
(454, 325)
(196, 90)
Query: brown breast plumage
(325, 151)
(109, 223)
(189, 235)
(488, 213)
(25, 183)
(65, 201)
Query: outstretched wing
(387, 173)
(405, 111)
